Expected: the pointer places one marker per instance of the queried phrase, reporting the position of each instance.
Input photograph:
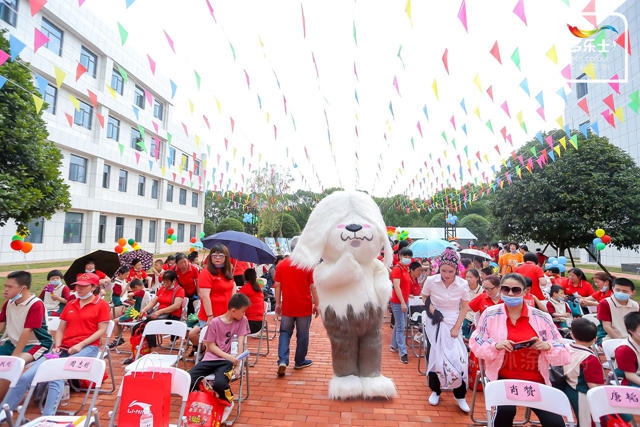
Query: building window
(9, 11)
(89, 60)
(102, 229)
(158, 109)
(152, 231)
(82, 116)
(183, 197)
(180, 233)
(184, 163)
(156, 147)
(154, 189)
(119, 227)
(192, 231)
(138, 96)
(194, 200)
(36, 230)
(113, 128)
(106, 176)
(169, 192)
(138, 231)
(581, 88)
(122, 180)
(167, 226)
(141, 183)
(172, 157)
(196, 167)
(136, 140)
(72, 228)
(77, 168)
(54, 34)
(117, 82)
(50, 97)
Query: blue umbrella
(242, 246)
(429, 248)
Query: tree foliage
(592, 187)
(230, 224)
(479, 226)
(30, 182)
(209, 227)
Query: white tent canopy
(437, 233)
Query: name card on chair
(623, 398)
(81, 365)
(6, 364)
(527, 392)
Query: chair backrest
(528, 394)
(604, 400)
(184, 313)
(110, 327)
(11, 369)
(609, 348)
(592, 317)
(166, 327)
(53, 322)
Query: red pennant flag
(100, 120)
(80, 70)
(69, 119)
(583, 104)
(93, 97)
(623, 42)
(36, 5)
(495, 51)
(233, 124)
(497, 147)
(490, 92)
(445, 59)
(609, 101)
(226, 147)
(186, 132)
(206, 121)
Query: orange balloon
(122, 241)
(26, 247)
(191, 249)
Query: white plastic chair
(199, 354)
(160, 327)
(550, 399)
(67, 368)
(180, 382)
(10, 369)
(262, 334)
(600, 401)
(609, 350)
(53, 322)
(592, 317)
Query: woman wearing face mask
(518, 342)
(55, 293)
(603, 283)
(401, 280)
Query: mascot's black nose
(354, 227)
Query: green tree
(479, 226)
(230, 224)
(565, 202)
(437, 220)
(218, 207)
(209, 227)
(289, 226)
(31, 185)
(278, 225)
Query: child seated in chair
(584, 371)
(135, 298)
(628, 353)
(218, 358)
(559, 309)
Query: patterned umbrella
(145, 257)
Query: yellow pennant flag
(197, 141)
(164, 171)
(477, 111)
(590, 70)
(435, 88)
(268, 116)
(560, 121)
(191, 106)
(486, 158)
(519, 117)
(553, 55)
(476, 80)
(618, 113)
(557, 150)
(60, 75)
(407, 9)
(519, 172)
(75, 102)
(38, 102)
(112, 91)
(563, 141)
(219, 105)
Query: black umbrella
(242, 246)
(106, 261)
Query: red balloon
(606, 239)
(26, 247)
(170, 231)
(16, 245)
(118, 249)
(193, 240)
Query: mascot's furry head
(344, 221)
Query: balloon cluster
(451, 219)
(195, 243)
(249, 218)
(391, 232)
(18, 243)
(121, 247)
(602, 239)
(559, 262)
(171, 236)
(403, 235)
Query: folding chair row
(173, 328)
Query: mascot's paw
(348, 387)
(379, 386)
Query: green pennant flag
(574, 141)
(355, 34)
(233, 51)
(453, 142)
(121, 148)
(490, 126)
(197, 79)
(444, 136)
(141, 130)
(123, 73)
(123, 34)
(515, 57)
(169, 137)
(533, 151)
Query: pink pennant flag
(490, 92)
(453, 121)
(213, 15)
(80, 70)
(39, 39)
(233, 124)
(100, 120)
(503, 132)
(591, 10)
(226, 147)
(445, 59)
(609, 102)
(174, 176)
(304, 23)
(462, 15)
(36, 5)
(69, 119)
(3, 57)
(186, 132)
(155, 126)
(206, 121)
(614, 82)
(395, 85)
(566, 72)
(355, 70)
(152, 65)
(505, 108)
(251, 151)
(540, 112)
(420, 128)
(148, 97)
(81, 2)
(284, 103)
(94, 98)
(275, 132)
(519, 11)
(495, 51)
(549, 140)
(246, 76)
(315, 64)
(170, 41)
(584, 105)
(609, 117)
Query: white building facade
(621, 125)
(133, 172)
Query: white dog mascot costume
(341, 241)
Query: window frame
(113, 126)
(106, 173)
(68, 236)
(195, 199)
(582, 89)
(138, 97)
(118, 85)
(119, 230)
(133, 141)
(9, 12)
(182, 196)
(91, 60)
(75, 168)
(155, 185)
(158, 110)
(36, 230)
(153, 224)
(102, 229)
(84, 115)
(169, 195)
(123, 187)
(142, 183)
(48, 28)
(50, 99)
(137, 233)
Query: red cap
(87, 279)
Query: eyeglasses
(515, 290)
(489, 289)
(217, 255)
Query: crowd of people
(512, 312)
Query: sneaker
(282, 368)
(127, 361)
(404, 359)
(434, 399)
(116, 342)
(393, 349)
(304, 364)
(462, 404)
(226, 412)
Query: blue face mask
(621, 296)
(405, 261)
(560, 299)
(17, 297)
(511, 301)
(55, 282)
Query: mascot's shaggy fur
(341, 241)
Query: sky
(389, 97)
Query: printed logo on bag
(137, 407)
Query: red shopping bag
(138, 402)
(136, 337)
(474, 367)
(204, 409)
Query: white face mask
(84, 297)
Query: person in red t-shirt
(628, 353)
(488, 298)
(137, 272)
(531, 270)
(401, 280)
(604, 283)
(90, 267)
(577, 284)
(296, 301)
(252, 289)
(187, 278)
(239, 267)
